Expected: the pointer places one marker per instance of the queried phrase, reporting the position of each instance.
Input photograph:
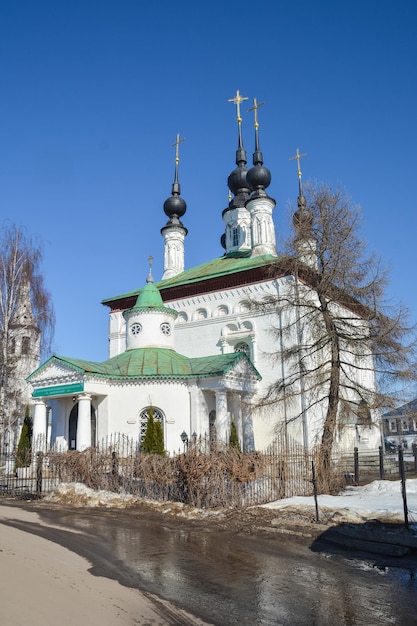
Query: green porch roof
(149, 363)
(230, 264)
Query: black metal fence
(363, 466)
(198, 475)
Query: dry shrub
(89, 467)
(216, 479)
(153, 468)
(223, 476)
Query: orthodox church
(194, 347)
(23, 354)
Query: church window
(135, 329)
(25, 345)
(12, 345)
(158, 416)
(242, 346)
(166, 328)
(235, 236)
(363, 414)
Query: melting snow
(381, 500)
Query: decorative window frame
(200, 314)
(234, 333)
(158, 415)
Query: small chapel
(194, 348)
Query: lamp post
(184, 438)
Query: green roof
(230, 264)
(149, 363)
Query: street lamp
(184, 438)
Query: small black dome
(258, 177)
(303, 218)
(175, 205)
(237, 180)
(223, 241)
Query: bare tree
(26, 317)
(344, 350)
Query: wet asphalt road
(229, 579)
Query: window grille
(158, 416)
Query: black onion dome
(175, 206)
(258, 178)
(303, 218)
(237, 180)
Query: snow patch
(380, 500)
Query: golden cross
(176, 144)
(255, 108)
(298, 156)
(237, 100)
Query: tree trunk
(330, 422)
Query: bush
(153, 442)
(234, 439)
(24, 447)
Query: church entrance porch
(230, 406)
(82, 425)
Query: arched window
(363, 416)
(235, 237)
(12, 345)
(158, 416)
(242, 346)
(25, 345)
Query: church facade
(197, 346)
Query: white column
(247, 425)
(222, 416)
(237, 415)
(39, 426)
(198, 420)
(84, 422)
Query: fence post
(115, 470)
(314, 481)
(381, 463)
(403, 489)
(39, 464)
(356, 464)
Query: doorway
(72, 427)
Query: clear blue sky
(93, 93)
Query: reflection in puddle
(232, 580)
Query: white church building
(193, 346)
